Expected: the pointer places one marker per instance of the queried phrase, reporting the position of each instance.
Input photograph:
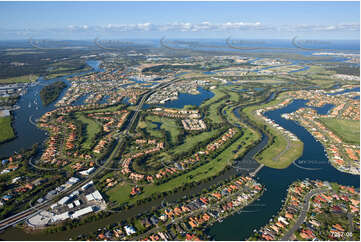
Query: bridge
(30, 212)
(254, 173)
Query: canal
(314, 165)
(31, 109)
(236, 227)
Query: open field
(269, 154)
(167, 124)
(92, 128)
(267, 157)
(286, 68)
(19, 79)
(212, 168)
(191, 141)
(213, 104)
(265, 81)
(108, 109)
(318, 76)
(59, 71)
(249, 137)
(217, 95)
(6, 130)
(347, 130)
(120, 191)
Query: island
(51, 92)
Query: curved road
(22, 216)
(302, 217)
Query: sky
(149, 20)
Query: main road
(28, 213)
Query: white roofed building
(82, 212)
(64, 200)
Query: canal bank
(31, 109)
(256, 215)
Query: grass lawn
(169, 125)
(318, 75)
(119, 192)
(213, 114)
(347, 130)
(291, 154)
(229, 115)
(191, 141)
(108, 109)
(218, 94)
(267, 155)
(214, 166)
(92, 128)
(6, 131)
(286, 68)
(214, 103)
(19, 79)
(250, 136)
(61, 71)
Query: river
(256, 215)
(31, 108)
(236, 227)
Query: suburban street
(302, 217)
(24, 215)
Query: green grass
(318, 75)
(286, 68)
(19, 79)
(213, 104)
(250, 136)
(347, 130)
(119, 192)
(108, 109)
(92, 128)
(267, 155)
(169, 125)
(217, 95)
(6, 130)
(62, 71)
(213, 167)
(293, 152)
(191, 141)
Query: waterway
(355, 89)
(236, 227)
(189, 99)
(258, 214)
(31, 109)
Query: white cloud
(186, 27)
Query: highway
(28, 213)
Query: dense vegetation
(39, 62)
(346, 70)
(6, 131)
(51, 92)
